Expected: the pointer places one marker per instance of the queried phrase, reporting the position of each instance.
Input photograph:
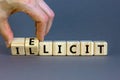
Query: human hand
(37, 9)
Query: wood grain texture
(87, 48)
(59, 48)
(17, 46)
(100, 48)
(45, 48)
(73, 48)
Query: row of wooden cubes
(32, 46)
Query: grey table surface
(75, 20)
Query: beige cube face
(17, 46)
(87, 48)
(73, 48)
(32, 46)
(45, 48)
(100, 48)
(59, 48)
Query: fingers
(49, 13)
(40, 18)
(40, 31)
(6, 32)
(40, 12)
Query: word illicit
(32, 46)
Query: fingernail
(8, 43)
(41, 38)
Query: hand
(37, 9)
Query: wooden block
(59, 48)
(45, 48)
(87, 48)
(73, 48)
(100, 48)
(31, 46)
(17, 46)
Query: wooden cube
(45, 48)
(59, 48)
(31, 46)
(17, 46)
(100, 48)
(73, 48)
(87, 48)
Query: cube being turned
(17, 46)
(59, 48)
(31, 46)
(100, 48)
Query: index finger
(40, 19)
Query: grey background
(75, 20)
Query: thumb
(6, 32)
